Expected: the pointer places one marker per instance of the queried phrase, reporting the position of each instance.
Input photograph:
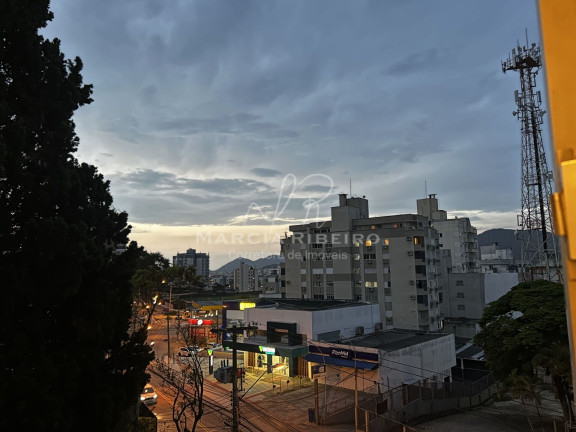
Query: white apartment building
(456, 235)
(246, 278)
(496, 259)
(389, 260)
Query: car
(214, 346)
(189, 351)
(148, 395)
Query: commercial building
(385, 359)
(285, 328)
(389, 260)
(201, 261)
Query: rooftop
(310, 305)
(392, 340)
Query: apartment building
(389, 260)
(200, 260)
(246, 278)
(456, 235)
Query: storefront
(275, 358)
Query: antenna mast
(540, 255)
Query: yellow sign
(247, 305)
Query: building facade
(246, 278)
(287, 327)
(457, 235)
(387, 359)
(389, 260)
(466, 295)
(200, 260)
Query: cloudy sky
(221, 122)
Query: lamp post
(168, 319)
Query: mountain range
(272, 260)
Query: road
(217, 414)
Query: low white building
(286, 327)
(328, 320)
(385, 360)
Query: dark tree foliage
(525, 331)
(67, 361)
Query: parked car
(189, 351)
(214, 346)
(148, 395)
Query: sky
(219, 123)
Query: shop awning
(340, 362)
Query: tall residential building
(389, 260)
(246, 278)
(456, 235)
(192, 258)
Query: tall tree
(525, 331)
(67, 362)
(146, 286)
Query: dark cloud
(265, 172)
(420, 62)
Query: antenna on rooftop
(350, 187)
(425, 188)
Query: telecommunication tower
(540, 254)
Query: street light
(168, 319)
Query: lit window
(368, 243)
(386, 242)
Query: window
(418, 240)
(459, 283)
(368, 243)
(461, 307)
(460, 295)
(370, 256)
(356, 257)
(356, 244)
(386, 242)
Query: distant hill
(271, 260)
(504, 237)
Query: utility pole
(235, 401)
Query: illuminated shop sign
(340, 353)
(267, 350)
(196, 321)
(247, 306)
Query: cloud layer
(210, 112)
